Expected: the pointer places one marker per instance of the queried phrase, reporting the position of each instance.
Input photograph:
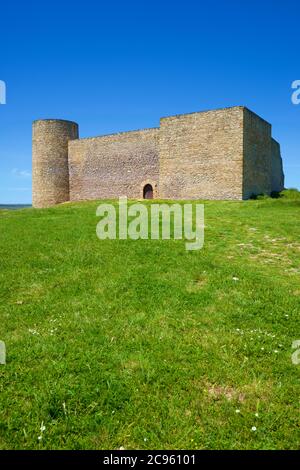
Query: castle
(221, 154)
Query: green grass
(144, 345)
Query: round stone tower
(50, 169)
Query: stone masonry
(222, 154)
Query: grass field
(142, 344)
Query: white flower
(145, 439)
(275, 351)
(237, 411)
(253, 428)
(40, 438)
(256, 414)
(235, 279)
(32, 331)
(262, 349)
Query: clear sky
(121, 65)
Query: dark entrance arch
(148, 192)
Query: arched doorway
(148, 192)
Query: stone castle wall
(257, 155)
(114, 165)
(262, 160)
(222, 154)
(201, 155)
(277, 175)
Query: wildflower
(32, 331)
(42, 429)
(235, 279)
(256, 414)
(253, 428)
(237, 411)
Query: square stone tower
(222, 154)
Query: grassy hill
(142, 344)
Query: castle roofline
(55, 120)
(161, 119)
(226, 108)
(119, 133)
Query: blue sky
(120, 65)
